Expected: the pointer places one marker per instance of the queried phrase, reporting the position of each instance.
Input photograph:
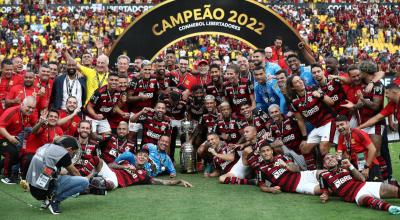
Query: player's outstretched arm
(274, 189)
(184, 183)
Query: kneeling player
(278, 174)
(128, 175)
(347, 182)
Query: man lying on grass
(348, 183)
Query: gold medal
(5, 144)
(34, 94)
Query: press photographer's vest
(47, 155)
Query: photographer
(44, 177)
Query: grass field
(207, 200)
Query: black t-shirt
(40, 194)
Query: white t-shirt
(75, 90)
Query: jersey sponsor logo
(153, 135)
(308, 113)
(335, 98)
(239, 101)
(278, 173)
(341, 181)
(106, 109)
(288, 138)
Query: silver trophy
(187, 153)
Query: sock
(383, 167)
(310, 161)
(235, 180)
(373, 203)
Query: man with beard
(137, 66)
(154, 122)
(281, 77)
(45, 131)
(332, 88)
(68, 118)
(115, 145)
(44, 84)
(240, 170)
(163, 77)
(183, 78)
(312, 106)
(95, 78)
(277, 53)
(88, 158)
(13, 121)
(121, 111)
(7, 80)
(286, 134)
(170, 60)
(19, 92)
(101, 105)
(364, 105)
(279, 173)
(201, 68)
(244, 68)
(142, 93)
(304, 72)
(196, 104)
(259, 60)
(228, 127)
(67, 85)
(214, 87)
(345, 181)
(237, 91)
(266, 91)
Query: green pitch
(207, 200)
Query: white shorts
(308, 182)
(135, 127)
(369, 189)
(99, 126)
(323, 133)
(108, 174)
(353, 122)
(374, 129)
(239, 170)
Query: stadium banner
(95, 7)
(168, 22)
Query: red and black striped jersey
(89, 158)
(196, 108)
(238, 94)
(103, 101)
(128, 177)
(231, 127)
(335, 91)
(279, 176)
(113, 147)
(222, 165)
(313, 109)
(210, 121)
(153, 129)
(341, 183)
(288, 131)
(216, 90)
(259, 121)
(142, 87)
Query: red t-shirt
(21, 92)
(391, 108)
(43, 136)
(71, 127)
(48, 87)
(13, 120)
(358, 144)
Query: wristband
(322, 95)
(366, 166)
(304, 137)
(351, 168)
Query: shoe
(24, 184)
(8, 180)
(394, 210)
(54, 207)
(45, 204)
